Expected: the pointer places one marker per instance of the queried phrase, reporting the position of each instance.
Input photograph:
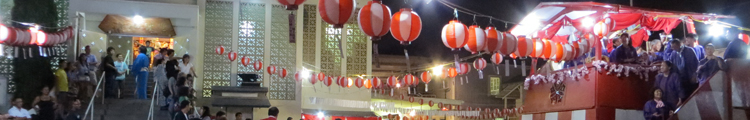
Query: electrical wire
(471, 12)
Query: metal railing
(153, 98)
(90, 107)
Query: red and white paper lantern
(493, 42)
(291, 4)
(480, 64)
(258, 65)
(283, 73)
(336, 12)
(406, 26)
(376, 82)
(426, 78)
(359, 82)
(525, 47)
(410, 80)
(271, 69)
(321, 76)
(220, 50)
(245, 61)
(454, 34)
(476, 40)
(232, 56)
(374, 19)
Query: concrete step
(128, 109)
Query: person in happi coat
(709, 65)
(737, 48)
(690, 41)
(687, 64)
(668, 80)
(624, 53)
(140, 70)
(657, 109)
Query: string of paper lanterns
(33, 36)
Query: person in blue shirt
(709, 65)
(668, 80)
(122, 68)
(737, 49)
(690, 42)
(140, 70)
(657, 108)
(686, 55)
(624, 53)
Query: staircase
(711, 100)
(128, 90)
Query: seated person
(656, 109)
(625, 53)
(17, 112)
(709, 65)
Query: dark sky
(435, 15)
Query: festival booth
(597, 89)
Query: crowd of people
(684, 66)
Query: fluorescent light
(304, 73)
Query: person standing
(709, 65)
(45, 105)
(122, 70)
(690, 41)
(91, 62)
(160, 76)
(61, 78)
(140, 69)
(17, 111)
(668, 81)
(624, 53)
(84, 74)
(656, 109)
(687, 67)
(110, 72)
(205, 113)
(186, 67)
(737, 49)
(272, 113)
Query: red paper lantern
(321, 76)
(548, 49)
(376, 82)
(602, 28)
(411, 99)
(559, 52)
(421, 101)
(283, 73)
(313, 81)
(463, 68)
(291, 4)
(271, 69)
(451, 72)
(410, 80)
(509, 44)
(745, 38)
(430, 103)
(392, 81)
(440, 105)
(220, 50)
(454, 34)
(406, 26)
(368, 83)
(328, 81)
(568, 52)
(494, 39)
(258, 65)
(245, 61)
(41, 38)
(426, 78)
(525, 47)
(476, 40)
(359, 82)
(232, 56)
(336, 12)
(374, 19)
(497, 58)
(297, 77)
(480, 63)
(6, 33)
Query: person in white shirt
(17, 112)
(186, 67)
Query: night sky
(435, 15)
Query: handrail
(694, 92)
(91, 102)
(153, 97)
